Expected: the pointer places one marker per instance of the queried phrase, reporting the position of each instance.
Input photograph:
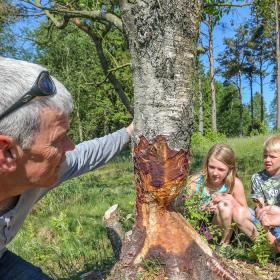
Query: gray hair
(16, 78)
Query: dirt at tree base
(254, 271)
(250, 271)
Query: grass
(64, 234)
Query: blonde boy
(266, 189)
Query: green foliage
(228, 108)
(264, 8)
(97, 107)
(8, 16)
(209, 137)
(261, 250)
(197, 217)
(211, 8)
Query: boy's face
(271, 160)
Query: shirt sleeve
(92, 154)
(256, 187)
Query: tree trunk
(277, 62)
(261, 77)
(162, 39)
(212, 74)
(200, 103)
(252, 100)
(262, 101)
(241, 105)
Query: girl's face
(217, 171)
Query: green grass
(64, 234)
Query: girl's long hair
(224, 154)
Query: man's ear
(7, 154)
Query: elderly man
(36, 153)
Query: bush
(210, 137)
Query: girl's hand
(218, 197)
(211, 207)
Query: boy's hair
(224, 154)
(272, 143)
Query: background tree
(250, 71)
(8, 14)
(232, 63)
(268, 10)
(211, 17)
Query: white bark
(162, 38)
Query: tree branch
(110, 71)
(105, 64)
(228, 5)
(58, 23)
(95, 15)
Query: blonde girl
(223, 192)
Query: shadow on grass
(93, 272)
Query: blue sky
(230, 22)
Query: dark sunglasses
(43, 86)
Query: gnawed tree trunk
(162, 38)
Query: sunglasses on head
(43, 86)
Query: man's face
(42, 161)
(271, 162)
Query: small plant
(201, 220)
(261, 249)
(152, 266)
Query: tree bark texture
(200, 104)
(241, 106)
(162, 39)
(212, 73)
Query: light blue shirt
(200, 187)
(85, 157)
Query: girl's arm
(191, 185)
(238, 193)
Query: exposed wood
(114, 229)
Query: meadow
(64, 234)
